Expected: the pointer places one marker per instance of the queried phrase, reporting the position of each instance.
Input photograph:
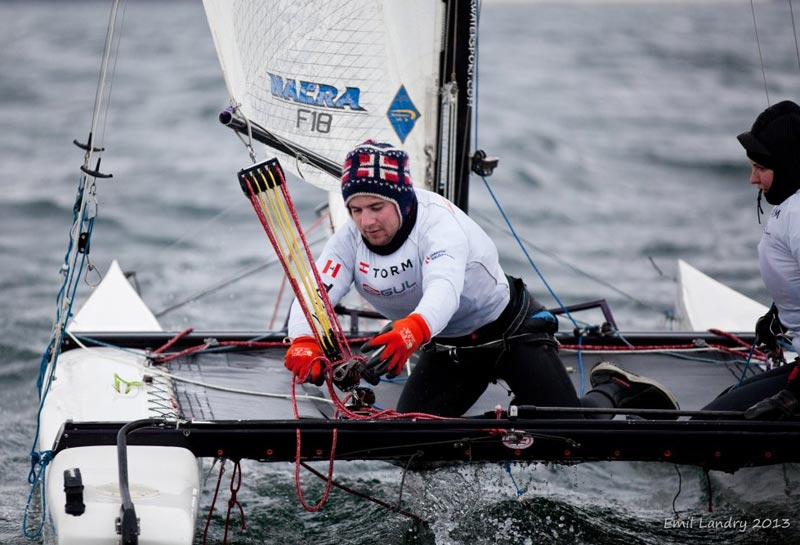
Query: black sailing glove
(770, 330)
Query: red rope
(739, 341)
(240, 344)
(298, 445)
(340, 409)
(235, 485)
(236, 476)
(757, 355)
(214, 500)
(184, 352)
(602, 347)
(338, 332)
(173, 340)
(336, 327)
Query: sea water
(615, 126)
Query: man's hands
(305, 360)
(396, 343)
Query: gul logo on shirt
(389, 292)
(436, 255)
(331, 268)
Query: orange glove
(397, 342)
(305, 360)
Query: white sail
(327, 75)
(704, 303)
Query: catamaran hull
(105, 384)
(164, 485)
(198, 411)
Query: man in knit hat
(428, 267)
(773, 147)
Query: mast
(457, 67)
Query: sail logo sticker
(315, 94)
(402, 114)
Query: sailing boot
(781, 406)
(630, 391)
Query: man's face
(377, 219)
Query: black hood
(774, 142)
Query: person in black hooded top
(773, 147)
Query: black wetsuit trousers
(441, 385)
(448, 380)
(757, 388)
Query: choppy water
(615, 121)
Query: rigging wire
(794, 30)
(102, 95)
(578, 330)
(76, 259)
(192, 234)
(118, 40)
(222, 284)
(500, 207)
(574, 268)
(758, 44)
(760, 55)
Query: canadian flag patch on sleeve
(331, 268)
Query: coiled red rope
(340, 409)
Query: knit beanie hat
(774, 142)
(379, 170)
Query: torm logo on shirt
(315, 94)
(394, 270)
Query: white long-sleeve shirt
(779, 260)
(447, 270)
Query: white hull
(164, 485)
(108, 385)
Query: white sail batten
(327, 75)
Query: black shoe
(782, 405)
(630, 391)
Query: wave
(38, 207)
